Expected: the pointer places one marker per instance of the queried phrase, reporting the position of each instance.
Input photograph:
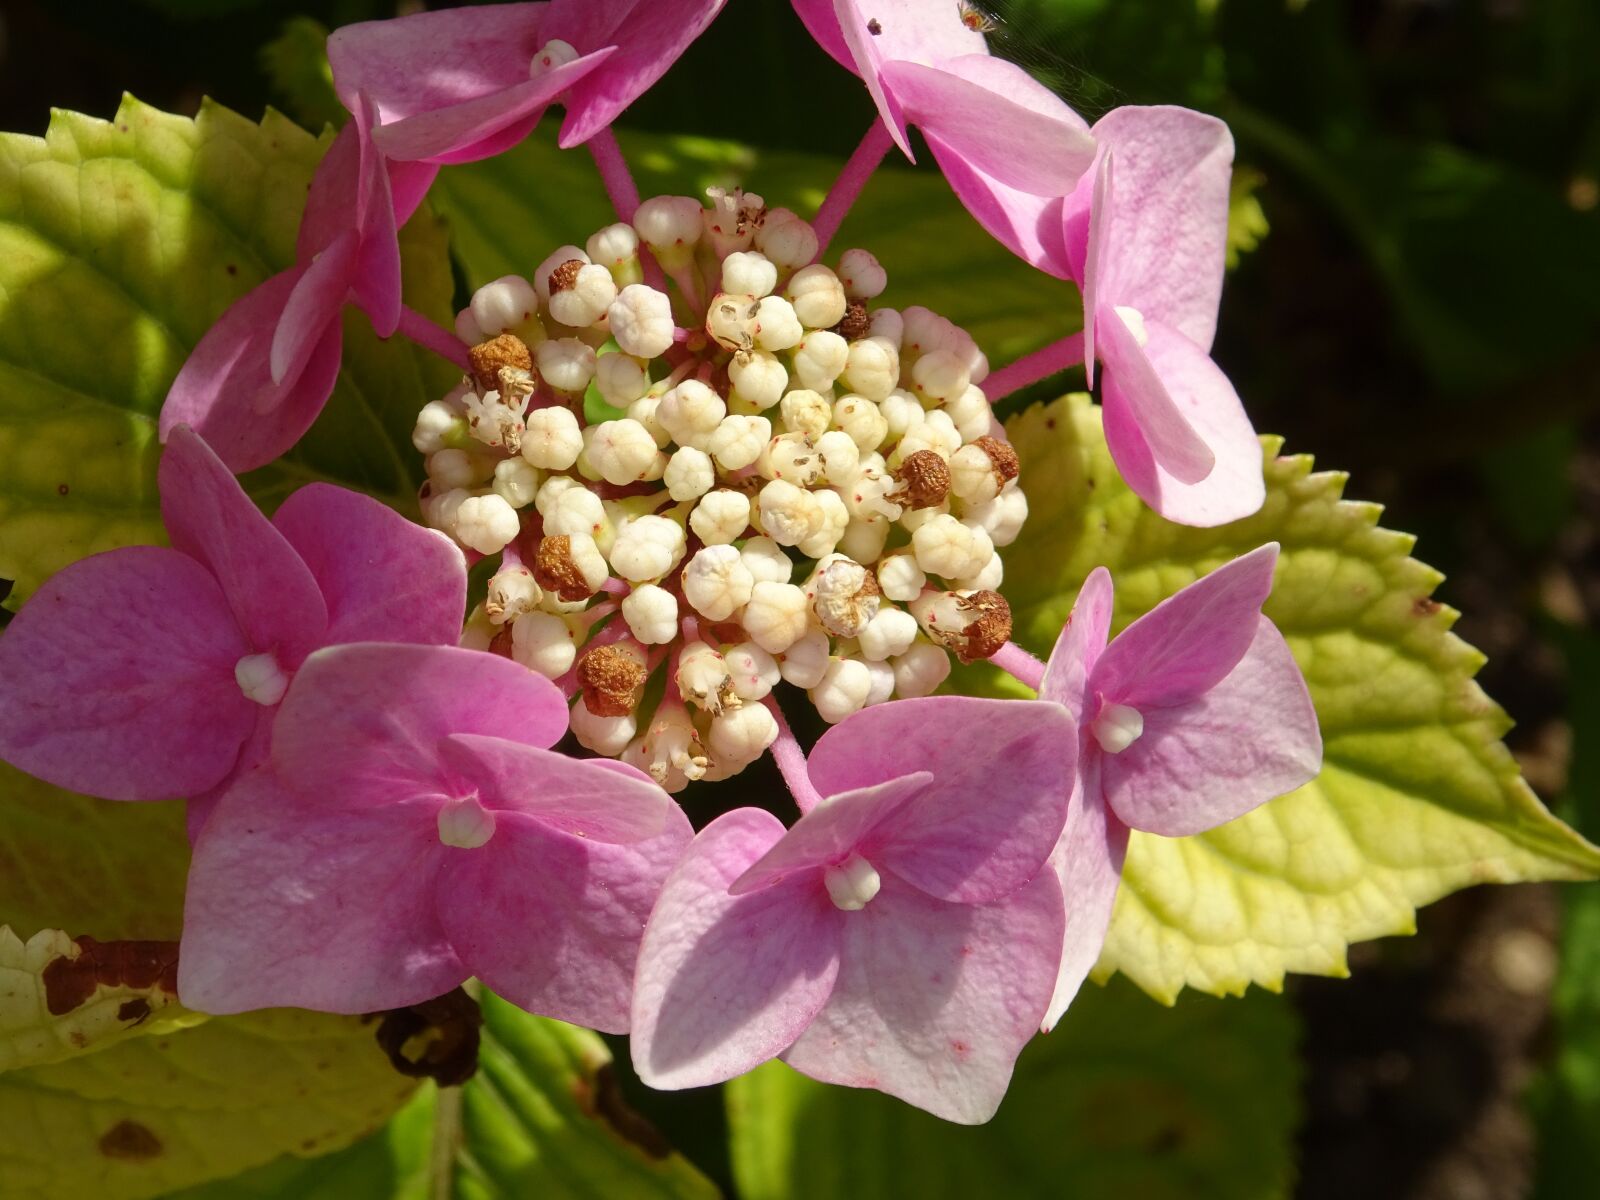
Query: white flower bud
(971, 414)
(867, 494)
(902, 412)
(843, 596)
(730, 222)
(621, 379)
(643, 410)
(754, 672)
(551, 490)
(570, 566)
(641, 320)
(776, 617)
(1004, 516)
(787, 512)
(566, 364)
(900, 578)
(973, 478)
(873, 367)
(842, 690)
(438, 423)
(864, 540)
(467, 328)
(920, 670)
(758, 377)
(990, 577)
(862, 275)
(554, 53)
(647, 548)
(731, 321)
(615, 247)
(925, 331)
(543, 643)
(946, 548)
(833, 518)
(720, 517)
(502, 305)
(787, 240)
(622, 451)
(750, 273)
(766, 560)
(806, 660)
(913, 519)
(516, 482)
(890, 632)
(558, 257)
(604, 735)
(804, 411)
(741, 735)
(820, 360)
(689, 474)
(552, 439)
(651, 613)
(887, 323)
(738, 441)
(703, 677)
(577, 510)
(586, 298)
(935, 433)
(690, 412)
(881, 687)
(486, 523)
(791, 457)
(670, 226)
(940, 374)
(817, 295)
(860, 418)
(840, 456)
(458, 469)
(513, 593)
(716, 582)
(440, 508)
(777, 327)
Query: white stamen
(465, 823)
(554, 53)
(852, 884)
(1117, 727)
(261, 678)
(1134, 320)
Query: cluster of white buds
(743, 477)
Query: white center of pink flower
(554, 53)
(260, 678)
(1117, 727)
(465, 823)
(1134, 320)
(852, 884)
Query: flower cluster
(709, 467)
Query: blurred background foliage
(1423, 177)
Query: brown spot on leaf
(135, 1010)
(603, 1100)
(130, 1141)
(1425, 606)
(233, 268)
(437, 1039)
(69, 982)
(62, 489)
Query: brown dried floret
(924, 479)
(1004, 457)
(855, 324)
(555, 570)
(612, 679)
(988, 629)
(566, 275)
(506, 350)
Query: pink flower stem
(791, 761)
(1020, 665)
(429, 336)
(852, 179)
(614, 173)
(1031, 368)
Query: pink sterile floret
(147, 673)
(1192, 716)
(412, 829)
(903, 935)
(466, 83)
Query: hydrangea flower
(903, 935)
(147, 673)
(412, 829)
(1194, 715)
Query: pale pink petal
(552, 923)
(1234, 489)
(828, 833)
(965, 103)
(1189, 642)
(332, 201)
(1198, 765)
(225, 389)
(377, 271)
(1029, 226)
(210, 518)
(724, 982)
(934, 1001)
(1175, 445)
(383, 578)
(575, 796)
(1097, 262)
(365, 722)
(1002, 772)
(118, 678)
(313, 308)
(1088, 862)
(301, 901)
(1169, 227)
(256, 749)
(1079, 646)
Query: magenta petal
(724, 982)
(1176, 446)
(1002, 773)
(313, 308)
(822, 23)
(208, 516)
(1198, 765)
(830, 831)
(118, 678)
(366, 722)
(1189, 642)
(934, 1001)
(1031, 227)
(308, 903)
(1018, 146)
(552, 923)
(573, 796)
(1078, 648)
(408, 184)
(1088, 862)
(1234, 489)
(333, 205)
(377, 271)
(383, 578)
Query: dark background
(1422, 314)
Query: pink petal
(1251, 737)
(822, 23)
(1168, 230)
(1097, 263)
(727, 982)
(383, 578)
(1175, 445)
(967, 103)
(830, 831)
(934, 1001)
(1078, 648)
(552, 923)
(366, 722)
(333, 202)
(408, 184)
(313, 308)
(225, 389)
(1234, 489)
(257, 747)
(1188, 643)
(308, 903)
(575, 796)
(208, 516)
(377, 272)
(1002, 773)
(1031, 227)
(1088, 863)
(118, 678)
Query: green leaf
(170, 1110)
(1247, 224)
(120, 243)
(507, 213)
(296, 61)
(1417, 798)
(1123, 1100)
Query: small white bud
(738, 441)
(439, 509)
(920, 670)
(1003, 516)
(577, 510)
(551, 490)
(820, 360)
(852, 884)
(843, 597)
(586, 299)
(777, 327)
(776, 618)
(716, 582)
(651, 613)
(971, 414)
(873, 367)
(787, 512)
(556, 258)
(882, 685)
(621, 379)
(720, 517)
(641, 320)
(689, 474)
(913, 519)
(513, 592)
(690, 412)
(703, 677)
(465, 823)
(622, 451)
(941, 375)
(1117, 727)
(554, 53)
(900, 578)
(502, 305)
(862, 275)
(867, 494)
(864, 540)
(260, 678)
(516, 482)
(887, 323)
(647, 548)
(945, 547)
(459, 469)
(643, 410)
(805, 661)
(766, 560)
(792, 458)
(902, 412)
(566, 364)
(805, 411)
(615, 246)
(787, 240)
(543, 643)
(860, 418)
(467, 328)
(437, 423)
(731, 321)
(890, 632)
(486, 523)
(840, 456)
(750, 273)
(670, 226)
(758, 377)
(552, 439)
(817, 295)
(741, 734)
(604, 735)
(754, 672)
(990, 577)
(842, 690)
(832, 519)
